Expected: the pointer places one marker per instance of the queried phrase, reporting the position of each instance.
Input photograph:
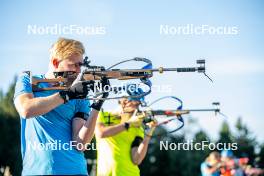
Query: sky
(127, 29)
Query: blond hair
(63, 48)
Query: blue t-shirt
(205, 166)
(46, 139)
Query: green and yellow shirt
(114, 153)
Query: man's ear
(55, 62)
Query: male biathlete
(54, 123)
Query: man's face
(225, 159)
(214, 160)
(73, 63)
(129, 106)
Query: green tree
(246, 142)
(6, 102)
(9, 132)
(225, 135)
(261, 157)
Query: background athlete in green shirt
(121, 145)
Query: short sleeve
(107, 118)
(83, 106)
(140, 132)
(23, 85)
(100, 118)
(136, 141)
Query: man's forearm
(30, 107)
(103, 132)
(139, 153)
(86, 133)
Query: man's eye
(78, 64)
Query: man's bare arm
(28, 106)
(83, 131)
(139, 153)
(103, 131)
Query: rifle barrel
(175, 110)
(182, 111)
(161, 69)
(199, 110)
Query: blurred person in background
(211, 165)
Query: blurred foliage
(157, 161)
(245, 140)
(9, 132)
